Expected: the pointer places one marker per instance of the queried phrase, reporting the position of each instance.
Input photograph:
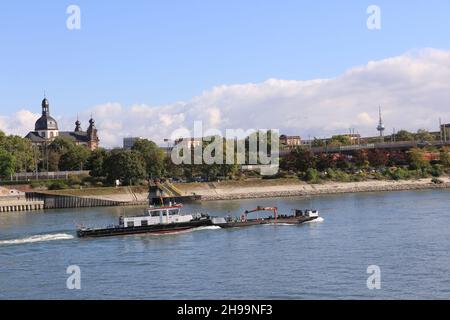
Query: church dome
(46, 122)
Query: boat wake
(38, 238)
(319, 219)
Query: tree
(325, 161)
(417, 159)
(398, 158)
(62, 144)
(74, 159)
(361, 159)
(153, 156)
(7, 163)
(303, 159)
(404, 135)
(55, 155)
(318, 142)
(96, 162)
(445, 157)
(21, 149)
(378, 158)
(126, 166)
(340, 140)
(424, 135)
(343, 162)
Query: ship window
(155, 213)
(130, 224)
(173, 212)
(144, 223)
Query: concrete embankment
(88, 198)
(12, 200)
(232, 190)
(286, 188)
(21, 205)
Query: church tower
(78, 126)
(46, 127)
(92, 136)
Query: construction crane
(274, 209)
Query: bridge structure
(401, 146)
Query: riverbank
(290, 188)
(258, 188)
(233, 190)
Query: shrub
(397, 174)
(312, 175)
(435, 170)
(58, 185)
(74, 180)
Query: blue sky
(158, 52)
(147, 68)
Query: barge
(156, 220)
(299, 217)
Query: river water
(405, 234)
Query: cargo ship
(298, 217)
(156, 220)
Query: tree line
(417, 162)
(147, 161)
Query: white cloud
(412, 88)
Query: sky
(150, 68)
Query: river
(405, 234)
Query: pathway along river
(406, 234)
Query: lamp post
(168, 146)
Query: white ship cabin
(157, 215)
(307, 213)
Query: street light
(168, 145)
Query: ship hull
(153, 229)
(256, 222)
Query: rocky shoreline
(326, 189)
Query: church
(46, 130)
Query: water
(407, 234)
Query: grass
(101, 191)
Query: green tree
(74, 159)
(62, 144)
(361, 159)
(7, 163)
(404, 135)
(96, 162)
(153, 156)
(445, 157)
(54, 154)
(126, 166)
(340, 140)
(21, 149)
(417, 159)
(424, 135)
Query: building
(291, 141)
(46, 130)
(445, 132)
(128, 143)
(191, 142)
